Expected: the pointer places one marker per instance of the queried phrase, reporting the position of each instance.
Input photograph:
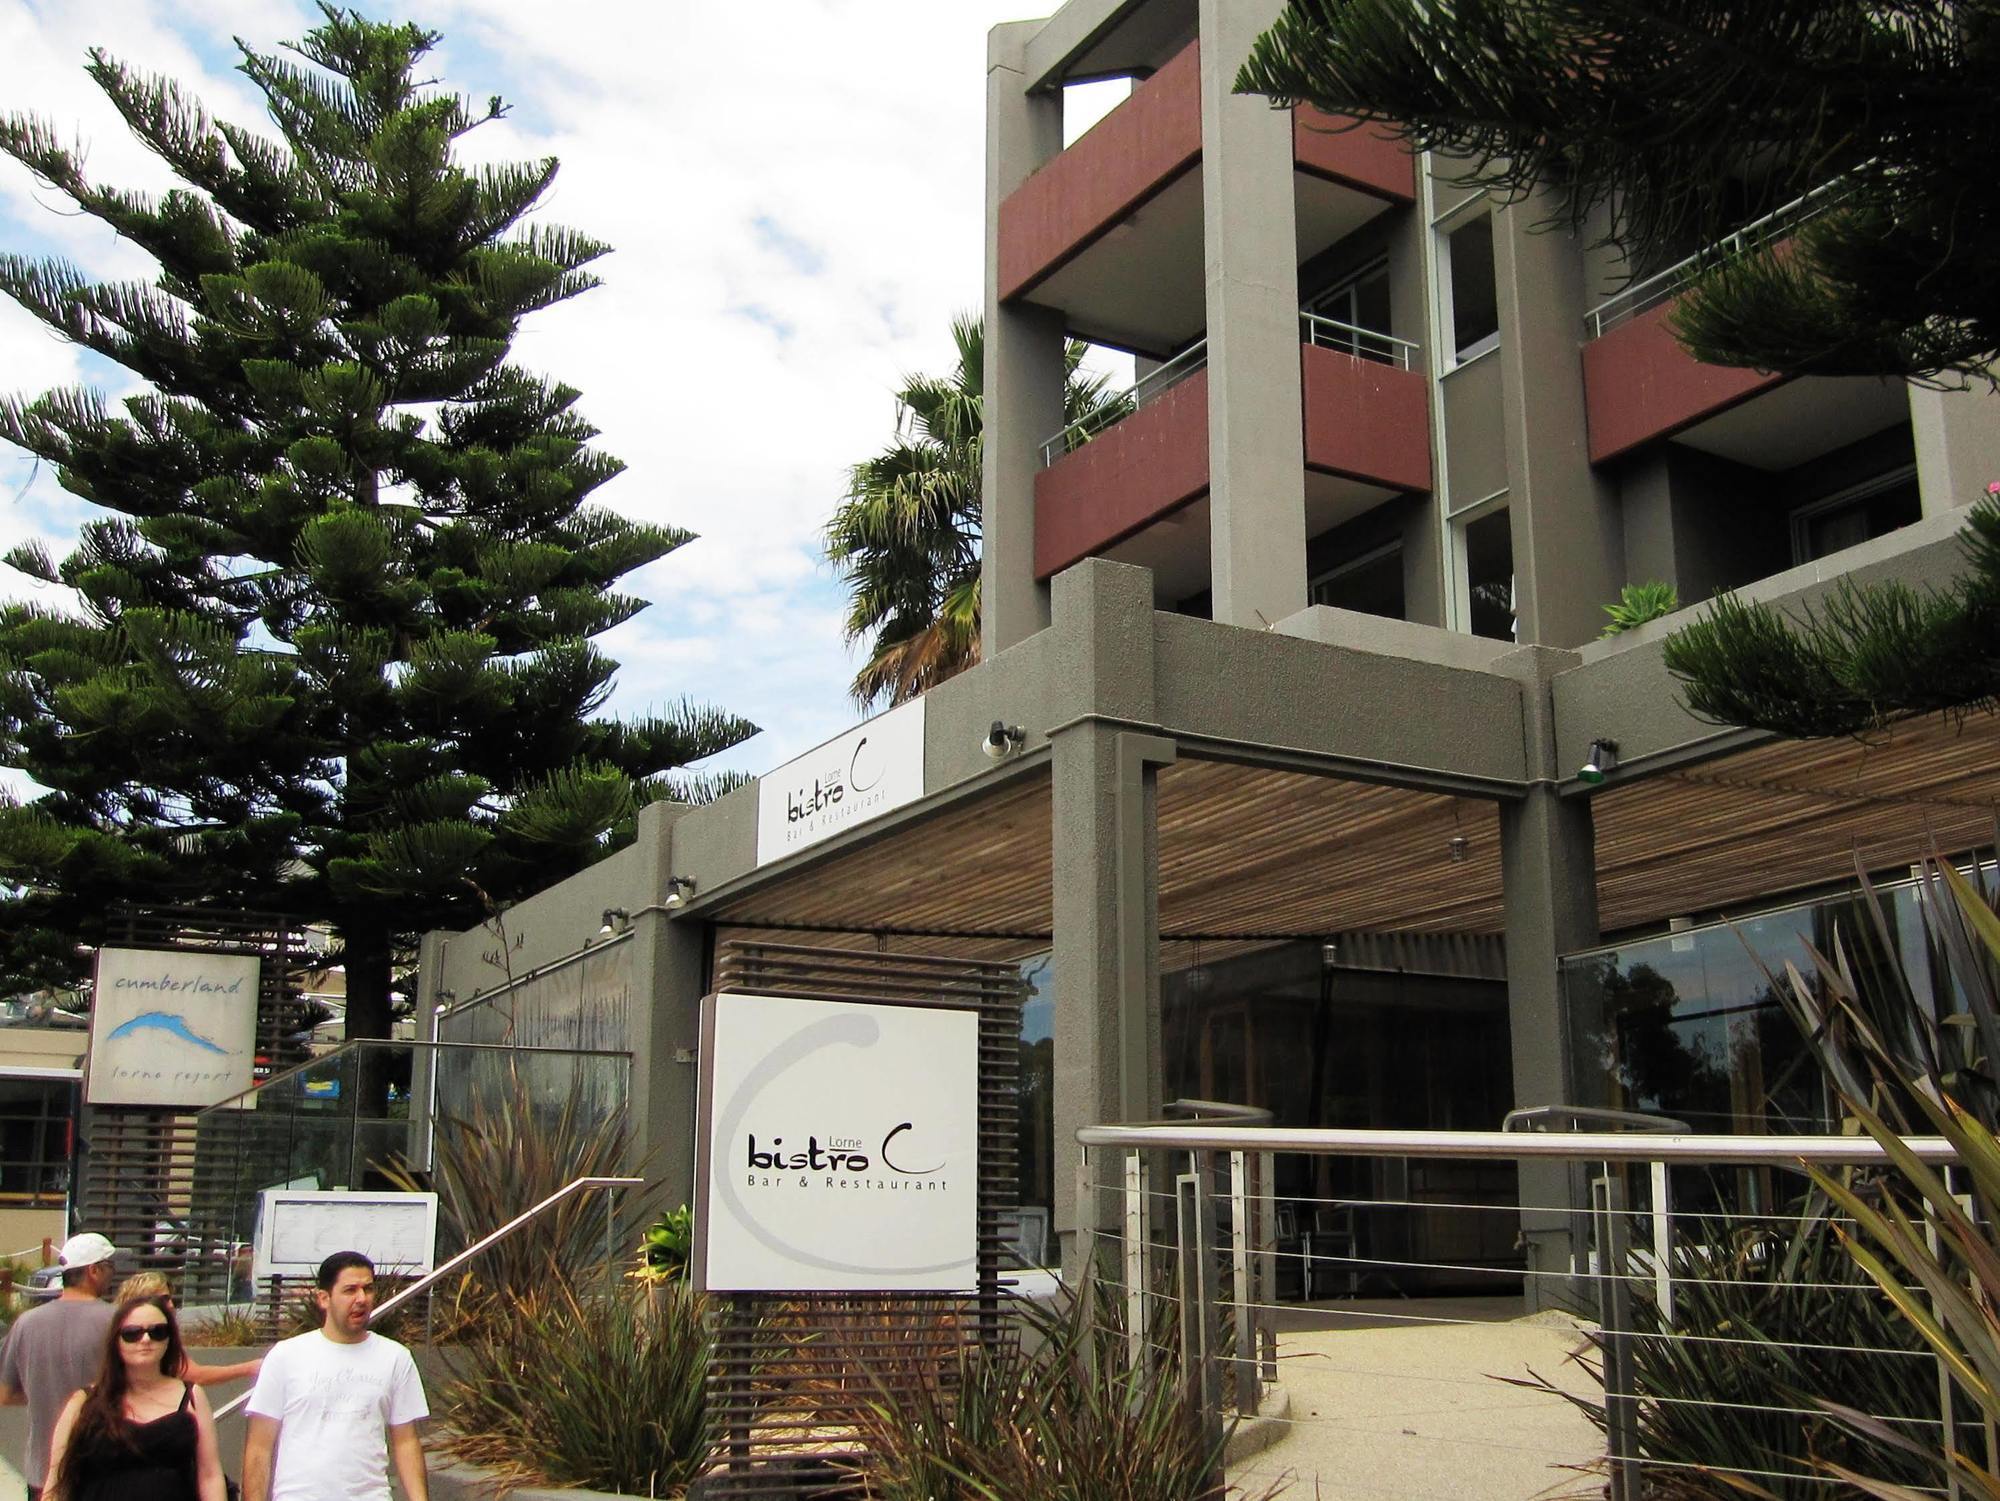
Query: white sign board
(872, 769)
(297, 1229)
(840, 1147)
(171, 1027)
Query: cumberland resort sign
(840, 1147)
(171, 1028)
(873, 769)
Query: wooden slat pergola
(1249, 852)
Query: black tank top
(155, 1461)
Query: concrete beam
(1620, 688)
(1409, 721)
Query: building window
(1487, 546)
(1361, 303)
(34, 1142)
(1856, 514)
(1371, 584)
(1473, 304)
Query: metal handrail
(423, 1283)
(360, 1044)
(1362, 343)
(1597, 1146)
(1576, 1117)
(1661, 285)
(1121, 404)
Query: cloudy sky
(795, 196)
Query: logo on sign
(824, 1104)
(869, 771)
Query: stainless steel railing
(444, 1269)
(1121, 404)
(1216, 1198)
(1662, 285)
(1362, 343)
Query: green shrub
(1817, 1327)
(605, 1391)
(1055, 1417)
(1639, 603)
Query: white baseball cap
(85, 1250)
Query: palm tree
(906, 537)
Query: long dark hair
(102, 1420)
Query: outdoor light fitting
(679, 889)
(1460, 848)
(1603, 759)
(616, 920)
(1003, 740)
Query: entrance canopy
(1252, 852)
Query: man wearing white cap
(55, 1349)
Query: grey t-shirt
(52, 1351)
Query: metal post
(1201, 1381)
(1614, 1302)
(1136, 1269)
(1267, 1268)
(1663, 1242)
(1949, 1432)
(1239, 1270)
(610, 1240)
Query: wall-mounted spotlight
(679, 889)
(1603, 760)
(1003, 740)
(1460, 849)
(616, 920)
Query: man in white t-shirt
(335, 1403)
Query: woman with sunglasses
(139, 1433)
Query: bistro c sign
(871, 770)
(841, 1147)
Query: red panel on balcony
(1132, 473)
(1114, 167)
(1639, 385)
(1372, 158)
(1366, 420)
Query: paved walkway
(12, 1486)
(1385, 1409)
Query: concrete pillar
(1104, 848)
(1548, 866)
(669, 977)
(1256, 445)
(1958, 445)
(1024, 355)
(1568, 542)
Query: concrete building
(1295, 667)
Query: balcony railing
(1662, 285)
(1323, 333)
(1121, 404)
(1362, 343)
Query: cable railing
(1119, 405)
(1363, 343)
(431, 1278)
(1393, 1304)
(1662, 285)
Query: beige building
(41, 1073)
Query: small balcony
(1131, 173)
(1366, 431)
(1109, 231)
(1640, 385)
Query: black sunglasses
(159, 1334)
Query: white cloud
(795, 195)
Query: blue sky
(794, 194)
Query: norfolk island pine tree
(331, 645)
